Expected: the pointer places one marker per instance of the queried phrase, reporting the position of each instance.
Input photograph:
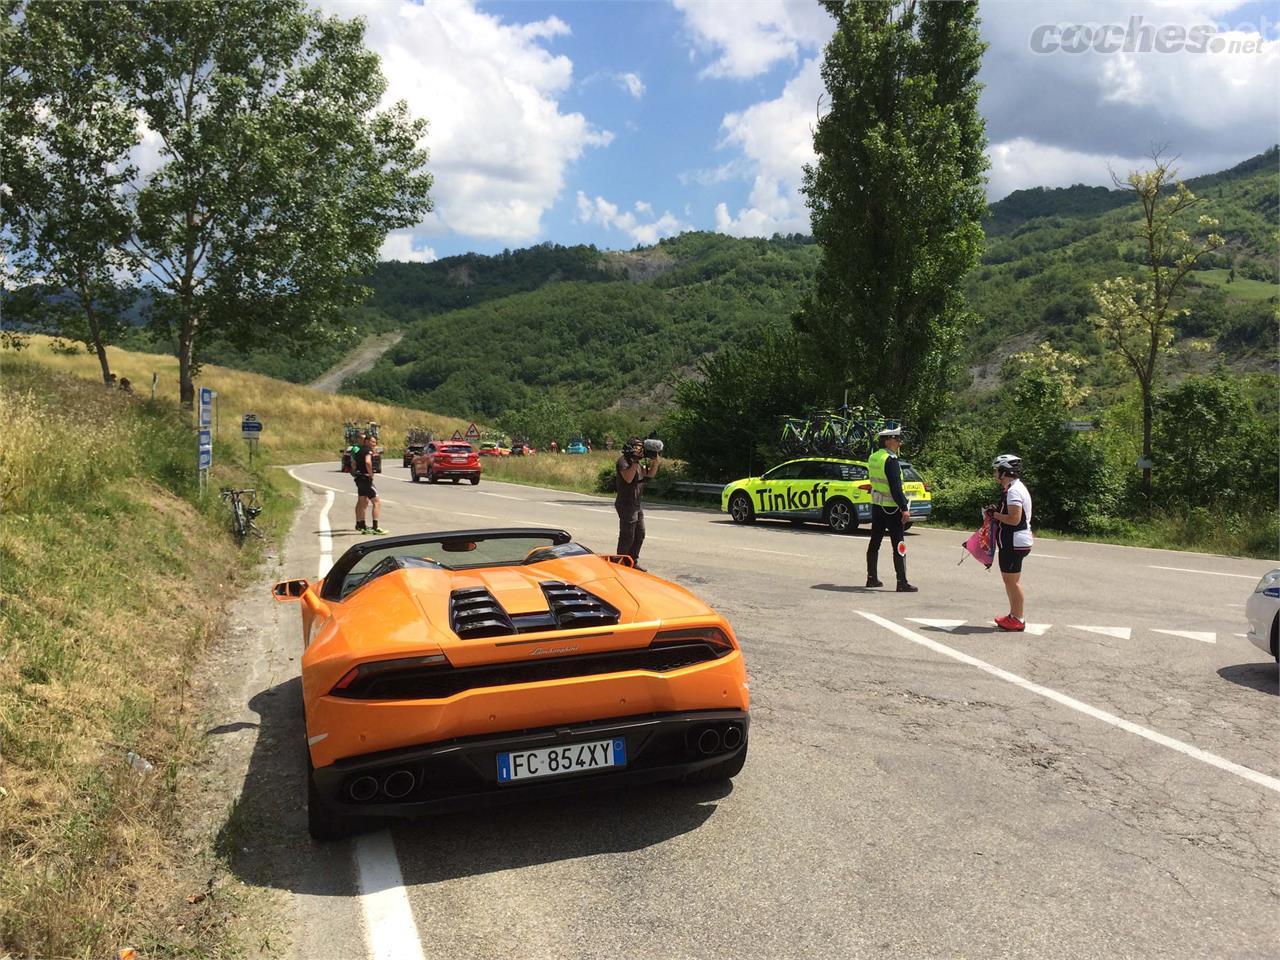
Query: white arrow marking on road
(1120, 633)
(1204, 756)
(326, 537)
(947, 625)
(1190, 635)
(1038, 629)
(1212, 573)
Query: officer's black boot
(872, 579)
(900, 567)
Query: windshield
(456, 448)
(909, 474)
(455, 553)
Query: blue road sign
(206, 438)
(206, 406)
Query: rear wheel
(740, 508)
(323, 823)
(474, 481)
(720, 772)
(413, 474)
(839, 516)
(431, 476)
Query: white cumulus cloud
(612, 217)
(632, 83)
(500, 141)
(748, 37)
(406, 246)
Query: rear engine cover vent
(473, 612)
(574, 607)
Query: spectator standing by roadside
(889, 509)
(366, 493)
(631, 473)
(1013, 513)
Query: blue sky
(617, 122)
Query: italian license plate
(572, 758)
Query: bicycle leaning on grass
(243, 511)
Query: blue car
(576, 446)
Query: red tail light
(367, 672)
(866, 487)
(928, 487)
(713, 636)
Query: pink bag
(981, 544)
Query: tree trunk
(1146, 441)
(95, 333)
(186, 342)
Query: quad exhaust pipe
(732, 738)
(708, 741)
(362, 789)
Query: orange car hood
(406, 612)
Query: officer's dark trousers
(630, 531)
(886, 521)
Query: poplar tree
(897, 196)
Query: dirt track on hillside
(360, 360)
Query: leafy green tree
(1211, 448)
(1136, 315)
(897, 197)
(727, 418)
(66, 139)
(544, 418)
(279, 177)
(1066, 470)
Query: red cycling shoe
(1010, 623)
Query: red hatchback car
(449, 459)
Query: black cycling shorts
(364, 485)
(1011, 560)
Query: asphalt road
(914, 789)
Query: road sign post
(250, 431)
(204, 437)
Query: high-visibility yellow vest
(880, 492)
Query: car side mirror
(289, 590)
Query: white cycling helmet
(1008, 463)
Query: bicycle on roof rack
(244, 509)
(843, 432)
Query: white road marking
(1038, 629)
(322, 486)
(1190, 635)
(1047, 556)
(947, 625)
(1211, 573)
(778, 553)
(1120, 633)
(388, 919)
(503, 496)
(1253, 776)
(326, 537)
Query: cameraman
(632, 472)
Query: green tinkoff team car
(818, 489)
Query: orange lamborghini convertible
(447, 670)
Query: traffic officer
(889, 506)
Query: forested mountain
(610, 330)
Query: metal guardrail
(706, 489)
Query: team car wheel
(474, 481)
(431, 477)
(839, 515)
(721, 772)
(413, 474)
(740, 508)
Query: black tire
(406, 462)
(474, 481)
(840, 515)
(740, 508)
(431, 477)
(1275, 637)
(413, 474)
(456, 479)
(721, 772)
(322, 823)
(238, 523)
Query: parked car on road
(445, 671)
(576, 445)
(818, 490)
(1263, 610)
(446, 459)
